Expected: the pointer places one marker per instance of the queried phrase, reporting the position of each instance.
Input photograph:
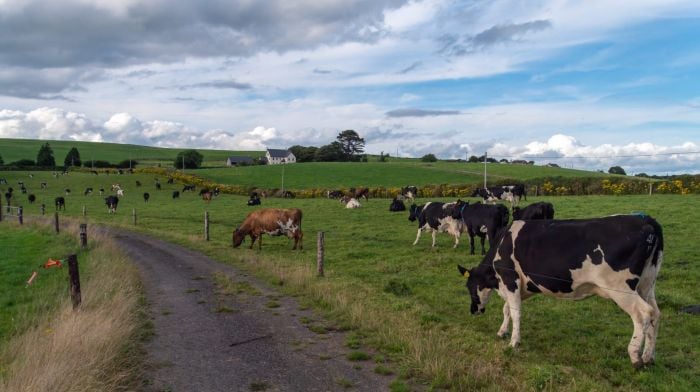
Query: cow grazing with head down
(60, 203)
(397, 205)
(359, 193)
(481, 220)
(539, 210)
(509, 193)
(112, 202)
(616, 257)
(436, 217)
(272, 221)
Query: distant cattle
(397, 205)
(436, 217)
(43, 185)
(288, 195)
(67, 190)
(171, 180)
(188, 188)
(334, 194)
(157, 185)
(481, 220)
(353, 203)
(410, 192)
(60, 203)
(146, 196)
(112, 202)
(539, 210)
(359, 193)
(206, 195)
(510, 193)
(87, 191)
(93, 172)
(616, 257)
(23, 189)
(271, 221)
(3, 181)
(176, 194)
(138, 183)
(31, 198)
(8, 197)
(102, 191)
(254, 199)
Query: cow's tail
(658, 239)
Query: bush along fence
(548, 186)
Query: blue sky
(519, 79)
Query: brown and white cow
(616, 257)
(271, 221)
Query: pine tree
(45, 156)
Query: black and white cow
(112, 202)
(436, 217)
(176, 194)
(146, 196)
(616, 257)
(510, 193)
(397, 205)
(481, 220)
(187, 188)
(87, 191)
(409, 192)
(539, 210)
(60, 202)
(334, 194)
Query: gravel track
(251, 340)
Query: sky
(584, 84)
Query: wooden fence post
(55, 216)
(43, 209)
(206, 225)
(74, 274)
(83, 235)
(133, 216)
(319, 254)
(20, 215)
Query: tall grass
(91, 349)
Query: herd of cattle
(616, 257)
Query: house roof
(277, 153)
(240, 159)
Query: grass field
(386, 174)
(14, 149)
(410, 303)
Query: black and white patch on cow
(616, 257)
(436, 217)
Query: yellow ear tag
(466, 274)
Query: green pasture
(15, 149)
(409, 302)
(385, 174)
(23, 251)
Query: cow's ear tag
(466, 274)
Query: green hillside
(16, 149)
(376, 174)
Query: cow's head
(477, 192)
(414, 211)
(238, 237)
(481, 280)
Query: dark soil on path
(253, 339)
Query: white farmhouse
(275, 156)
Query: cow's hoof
(503, 335)
(638, 365)
(648, 362)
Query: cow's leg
(513, 301)
(506, 321)
(418, 236)
(641, 313)
(260, 242)
(301, 239)
(252, 240)
(456, 239)
(434, 237)
(471, 242)
(481, 237)
(652, 331)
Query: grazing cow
(102, 191)
(206, 195)
(171, 180)
(120, 171)
(3, 181)
(60, 203)
(616, 257)
(31, 198)
(87, 191)
(23, 189)
(8, 197)
(334, 194)
(495, 193)
(397, 205)
(481, 220)
(410, 192)
(272, 221)
(112, 203)
(188, 188)
(20, 183)
(176, 194)
(138, 183)
(254, 201)
(146, 196)
(67, 191)
(539, 210)
(43, 185)
(359, 193)
(157, 185)
(216, 192)
(352, 203)
(288, 195)
(436, 217)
